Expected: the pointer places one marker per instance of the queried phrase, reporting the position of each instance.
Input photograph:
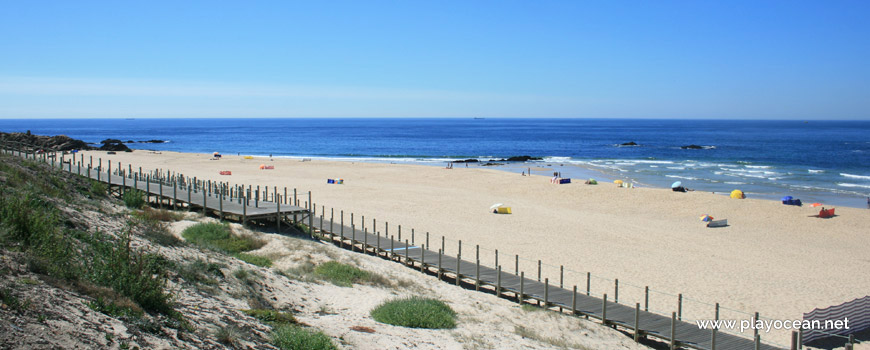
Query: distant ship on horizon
(479, 118)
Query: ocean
(816, 161)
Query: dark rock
(60, 142)
(632, 143)
(466, 161)
(697, 147)
(522, 159)
(152, 141)
(113, 145)
(130, 141)
(491, 164)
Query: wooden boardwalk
(677, 333)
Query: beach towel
(796, 202)
(718, 223)
(564, 181)
(249, 157)
(503, 210)
(330, 181)
(226, 172)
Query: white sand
(773, 259)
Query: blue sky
(583, 59)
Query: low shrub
(345, 275)
(258, 260)
(134, 199)
(220, 237)
(415, 312)
(272, 317)
(298, 338)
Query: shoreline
(583, 171)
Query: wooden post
(539, 270)
(400, 233)
(636, 322)
(758, 342)
(331, 222)
(848, 347)
(412, 236)
(517, 264)
(561, 276)
(477, 279)
(680, 306)
(406, 253)
(392, 248)
(800, 338)
(458, 263)
(108, 175)
(188, 198)
(352, 233)
(755, 331)
(646, 298)
(713, 333)
(278, 213)
(204, 202)
(321, 220)
(442, 245)
(616, 290)
(574, 301)
(221, 202)
(496, 257)
(160, 198)
(147, 187)
(427, 239)
(498, 283)
(378, 250)
(340, 226)
(588, 282)
(440, 252)
(423, 259)
(522, 287)
(100, 169)
(310, 218)
(174, 195)
(604, 309)
(546, 293)
(673, 331)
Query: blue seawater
(825, 161)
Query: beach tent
(262, 166)
(817, 204)
(591, 182)
(500, 208)
(787, 198)
(737, 194)
(676, 184)
(706, 218)
(618, 182)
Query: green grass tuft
(415, 312)
(258, 260)
(342, 274)
(271, 317)
(298, 338)
(220, 237)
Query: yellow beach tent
(618, 182)
(737, 194)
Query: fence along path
(677, 333)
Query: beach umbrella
(618, 182)
(262, 166)
(787, 198)
(495, 206)
(706, 218)
(738, 194)
(816, 205)
(216, 153)
(676, 184)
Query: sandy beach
(774, 259)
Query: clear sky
(584, 59)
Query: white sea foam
(852, 176)
(758, 166)
(676, 168)
(681, 177)
(853, 185)
(814, 171)
(735, 183)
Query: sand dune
(774, 259)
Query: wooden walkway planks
(687, 334)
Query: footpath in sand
(774, 259)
